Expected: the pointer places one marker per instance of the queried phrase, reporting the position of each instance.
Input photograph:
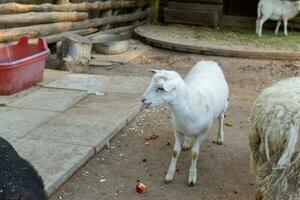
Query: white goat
(278, 10)
(274, 141)
(195, 103)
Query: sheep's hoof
(169, 178)
(218, 142)
(191, 184)
(192, 178)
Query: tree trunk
(79, 7)
(74, 53)
(42, 18)
(12, 34)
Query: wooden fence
(52, 21)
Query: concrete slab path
(58, 125)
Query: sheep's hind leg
(285, 22)
(277, 27)
(195, 153)
(187, 144)
(220, 140)
(176, 151)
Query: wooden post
(155, 10)
(62, 1)
(74, 53)
(107, 13)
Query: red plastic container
(22, 65)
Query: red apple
(140, 188)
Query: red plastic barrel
(22, 65)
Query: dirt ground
(223, 171)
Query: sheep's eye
(160, 89)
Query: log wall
(51, 20)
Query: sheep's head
(162, 88)
(297, 4)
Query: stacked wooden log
(198, 12)
(52, 21)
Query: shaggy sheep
(274, 141)
(195, 102)
(18, 179)
(278, 10)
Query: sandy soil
(223, 171)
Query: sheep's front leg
(260, 25)
(176, 151)
(285, 22)
(277, 27)
(195, 153)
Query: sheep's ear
(154, 71)
(169, 85)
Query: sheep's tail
(285, 159)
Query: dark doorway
(241, 7)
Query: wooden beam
(114, 30)
(58, 37)
(12, 34)
(69, 7)
(42, 18)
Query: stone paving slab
(6, 99)
(85, 82)
(50, 99)
(51, 75)
(58, 126)
(136, 49)
(91, 122)
(104, 84)
(55, 162)
(17, 122)
(126, 85)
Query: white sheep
(274, 141)
(278, 10)
(195, 102)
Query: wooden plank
(196, 6)
(199, 1)
(237, 21)
(249, 23)
(191, 17)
